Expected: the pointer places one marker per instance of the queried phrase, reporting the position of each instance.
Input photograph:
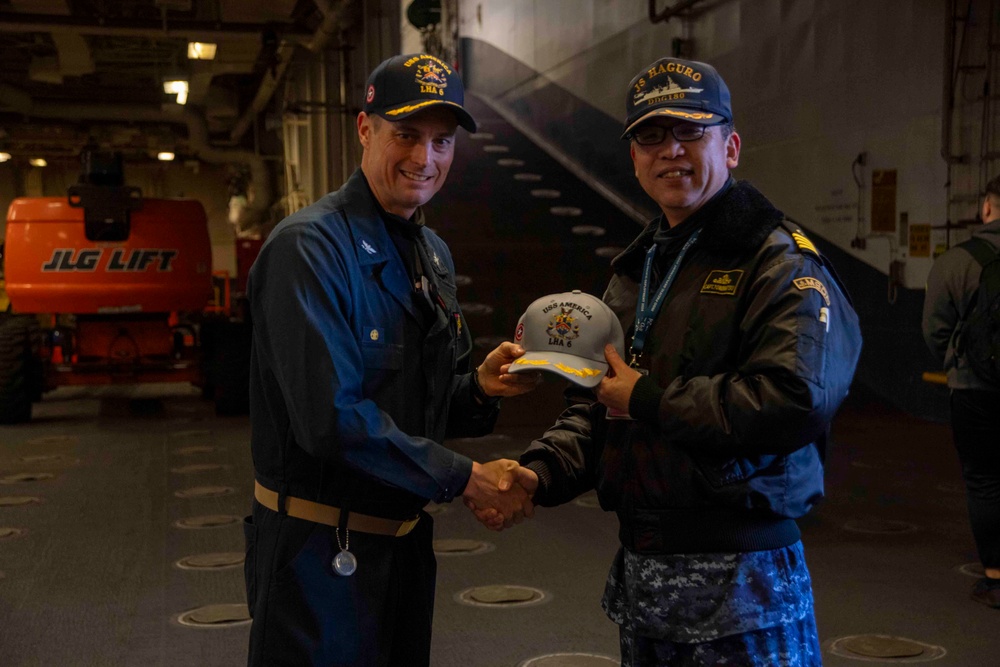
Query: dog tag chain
(344, 563)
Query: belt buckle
(407, 526)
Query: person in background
(975, 418)
(359, 371)
(708, 439)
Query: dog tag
(345, 563)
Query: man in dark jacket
(359, 370)
(975, 420)
(708, 440)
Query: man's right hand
(494, 493)
(516, 477)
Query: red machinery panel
(246, 253)
(51, 265)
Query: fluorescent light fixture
(201, 51)
(180, 87)
(4, 157)
(166, 156)
(38, 162)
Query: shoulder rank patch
(722, 282)
(813, 283)
(804, 244)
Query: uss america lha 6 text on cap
(565, 334)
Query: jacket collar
(743, 218)
(372, 244)
(991, 231)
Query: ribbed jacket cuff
(541, 469)
(644, 403)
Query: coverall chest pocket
(383, 366)
(382, 357)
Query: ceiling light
(166, 156)
(178, 86)
(38, 162)
(201, 51)
(4, 157)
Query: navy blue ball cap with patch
(687, 90)
(404, 85)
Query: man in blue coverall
(359, 370)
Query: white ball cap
(565, 334)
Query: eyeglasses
(651, 135)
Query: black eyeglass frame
(631, 136)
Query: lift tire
(19, 368)
(36, 364)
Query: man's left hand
(494, 375)
(616, 387)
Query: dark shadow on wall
(893, 358)
(588, 136)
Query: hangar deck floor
(91, 578)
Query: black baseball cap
(403, 85)
(685, 89)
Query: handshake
(499, 493)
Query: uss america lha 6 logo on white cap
(565, 334)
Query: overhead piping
(332, 16)
(258, 210)
(669, 12)
(256, 213)
(203, 31)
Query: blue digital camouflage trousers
(741, 609)
(791, 645)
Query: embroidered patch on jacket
(722, 282)
(813, 283)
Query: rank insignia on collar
(722, 282)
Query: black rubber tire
(20, 383)
(36, 366)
